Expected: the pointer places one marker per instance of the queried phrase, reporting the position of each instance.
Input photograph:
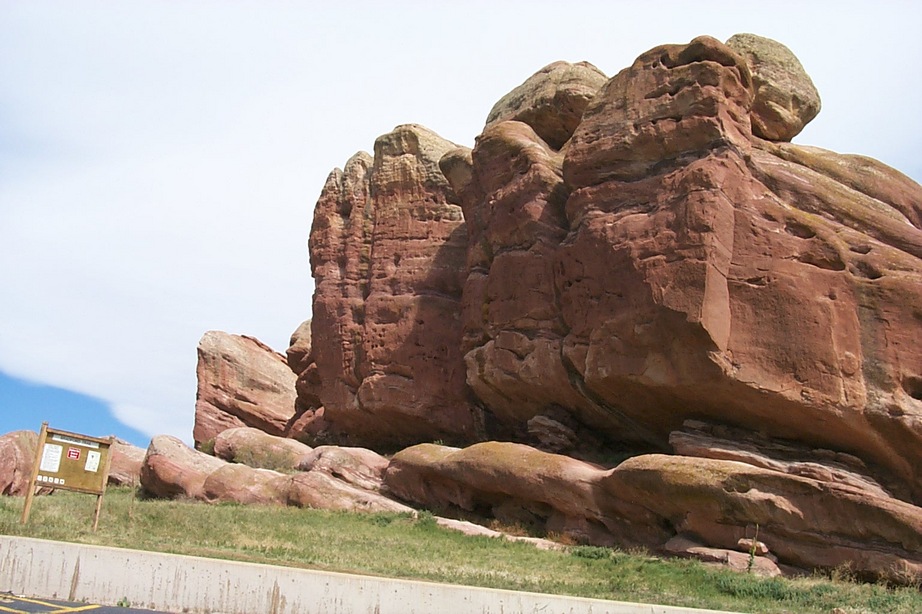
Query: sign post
(70, 461)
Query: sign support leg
(30, 494)
(96, 515)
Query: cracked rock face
(785, 97)
(241, 382)
(17, 453)
(639, 268)
(651, 500)
(388, 258)
(672, 258)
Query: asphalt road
(26, 605)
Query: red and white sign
(73, 453)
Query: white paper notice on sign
(92, 461)
(51, 458)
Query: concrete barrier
(174, 583)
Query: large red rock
(552, 100)
(727, 443)
(172, 469)
(247, 485)
(649, 500)
(785, 97)
(675, 266)
(309, 422)
(125, 464)
(17, 453)
(667, 257)
(332, 479)
(257, 448)
(357, 466)
(388, 258)
(320, 490)
(299, 354)
(804, 522)
(241, 382)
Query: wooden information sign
(70, 461)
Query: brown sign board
(70, 461)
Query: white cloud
(159, 161)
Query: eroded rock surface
(347, 480)
(649, 500)
(625, 266)
(388, 257)
(552, 100)
(785, 97)
(357, 466)
(172, 469)
(125, 465)
(670, 264)
(259, 449)
(241, 382)
(17, 453)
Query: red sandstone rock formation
(172, 469)
(125, 466)
(387, 253)
(357, 466)
(241, 382)
(17, 453)
(653, 262)
(552, 100)
(642, 262)
(258, 449)
(666, 263)
(332, 479)
(648, 500)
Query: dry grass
(397, 545)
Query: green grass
(397, 545)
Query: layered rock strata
(633, 253)
(17, 453)
(241, 383)
(665, 263)
(171, 469)
(387, 254)
(623, 266)
(650, 500)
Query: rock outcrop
(668, 264)
(657, 260)
(360, 467)
(551, 101)
(388, 257)
(241, 382)
(259, 449)
(17, 453)
(650, 500)
(348, 480)
(171, 469)
(125, 465)
(785, 98)
(622, 268)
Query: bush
(591, 552)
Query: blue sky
(31, 404)
(159, 161)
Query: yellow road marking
(35, 601)
(57, 608)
